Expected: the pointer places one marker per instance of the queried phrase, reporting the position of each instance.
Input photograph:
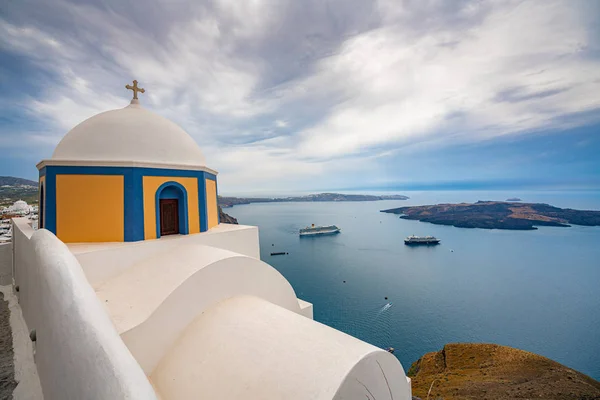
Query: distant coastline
(13, 189)
(227, 202)
(498, 215)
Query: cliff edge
(493, 372)
(226, 218)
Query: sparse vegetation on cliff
(493, 372)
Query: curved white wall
(25, 270)
(79, 354)
(248, 348)
(104, 261)
(154, 301)
(378, 375)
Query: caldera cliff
(226, 218)
(493, 372)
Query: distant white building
(20, 207)
(136, 291)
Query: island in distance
(232, 201)
(498, 215)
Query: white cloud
(281, 123)
(26, 39)
(400, 91)
(307, 89)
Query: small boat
(319, 230)
(421, 240)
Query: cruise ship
(319, 230)
(415, 240)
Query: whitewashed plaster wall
(101, 263)
(247, 348)
(306, 308)
(377, 375)
(79, 354)
(242, 239)
(154, 301)
(24, 270)
(5, 263)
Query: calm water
(534, 290)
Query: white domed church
(126, 175)
(133, 290)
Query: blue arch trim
(202, 203)
(134, 230)
(50, 202)
(173, 190)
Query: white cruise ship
(414, 240)
(319, 230)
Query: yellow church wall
(90, 208)
(211, 203)
(151, 185)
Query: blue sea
(534, 290)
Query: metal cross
(135, 89)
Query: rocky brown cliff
(493, 372)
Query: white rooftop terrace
(200, 314)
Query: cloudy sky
(300, 95)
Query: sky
(314, 95)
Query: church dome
(130, 134)
(20, 205)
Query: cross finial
(135, 89)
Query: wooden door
(169, 217)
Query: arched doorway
(171, 210)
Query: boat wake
(382, 310)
